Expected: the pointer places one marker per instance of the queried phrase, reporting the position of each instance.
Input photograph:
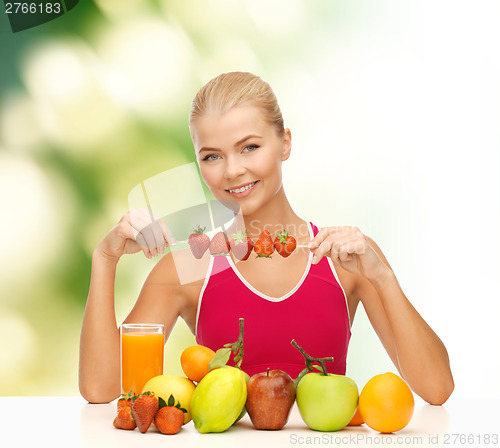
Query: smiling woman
(241, 143)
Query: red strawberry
(284, 243)
(264, 246)
(241, 245)
(144, 409)
(125, 400)
(198, 242)
(124, 419)
(219, 244)
(169, 419)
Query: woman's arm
(417, 352)
(99, 367)
(422, 359)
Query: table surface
(71, 421)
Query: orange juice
(141, 358)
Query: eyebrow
(238, 143)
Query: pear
(218, 399)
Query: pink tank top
(314, 313)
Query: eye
(250, 148)
(210, 157)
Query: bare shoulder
(180, 277)
(171, 290)
(178, 268)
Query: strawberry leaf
(199, 230)
(178, 406)
(161, 403)
(171, 400)
(220, 358)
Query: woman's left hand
(348, 248)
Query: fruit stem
(267, 372)
(309, 359)
(237, 347)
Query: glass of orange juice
(141, 353)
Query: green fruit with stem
(326, 402)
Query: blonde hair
(233, 89)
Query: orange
(194, 361)
(356, 420)
(386, 403)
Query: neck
(275, 216)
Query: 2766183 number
(470, 439)
(33, 8)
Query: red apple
(270, 397)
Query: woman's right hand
(137, 230)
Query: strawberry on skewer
(284, 243)
(219, 244)
(198, 242)
(264, 246)
(241, 245)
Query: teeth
(240, 190)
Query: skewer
(186, 242)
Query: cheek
(271, 167)
(210, 176)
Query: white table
(71, 421)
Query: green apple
(326, 402)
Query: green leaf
(161, 403)
(171, 400)
(220, 358)
(300, 376)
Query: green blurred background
(384, 105)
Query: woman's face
(240, 156)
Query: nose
(233, 167)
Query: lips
(243, 190)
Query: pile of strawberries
(240, 244)
(140, 411)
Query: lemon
(180, 387)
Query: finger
(167, 234)
(321, 236)
(144, 245)
(140, 221)
(147, 238)
(347, 251)
(157, 232)
(322, 250)
(332, 244)
(127, 231)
